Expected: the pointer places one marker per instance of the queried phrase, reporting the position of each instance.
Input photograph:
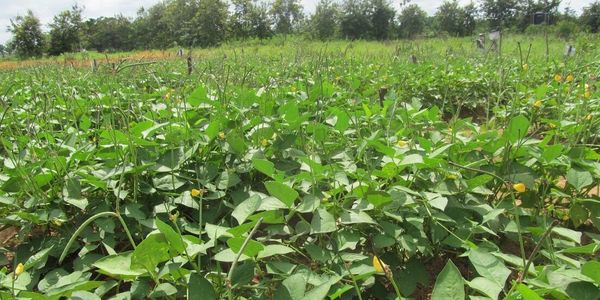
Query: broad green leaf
(322, 222)
(490, 267)
(292, 288)
(252, 248)
(517, 129)
(591, 269)
(579, 178)
(153, 250)
(198, 96)
(264, 166)
(199, 288)
(173, 238)
(527, 293)
(449, 284)
(119, 266)
(244, 273)
(379, 199)
(485, 286)
(284, 193)
(570, 234)
(243, 210)
(271, 250)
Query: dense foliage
(305, 171)
(207, 23)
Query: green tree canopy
(324, 22)
(590, 18)
(286, 14)
(412, 21)
(28, 39)
(65, 31)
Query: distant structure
(180, 52)
(481, 42)
(569, 50)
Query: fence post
(190, 67)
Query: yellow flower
(588, 117)
(57, 222)
(552, 125)
(402, 143)
(519, 187)
(570, 78)
(537, 104)
(294, 89)
(587, 94)
(19, 269)
(197, 192)
(264, 142)
(378, 265)
(222, 135)
(525, 67)
(557, 77)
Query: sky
(46, 9)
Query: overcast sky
(46, 9)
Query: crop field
(303, 170)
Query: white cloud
(46, 9)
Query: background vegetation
(194, 23)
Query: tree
(454, 19)
(382, 18)
(151, 28)
(113, 33)
(412, 21)
(355, 22)
(324, 22)
(28, 39)
(261, 21)
(3, 50)
(590, 18)
(249, 19)
(211, 23)
(286, 15)
(500, 13)
(65, 31)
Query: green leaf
(569, 234)
(246, 208)
(284, 193)
(579, 178)
(379, 199)
(517, 129)
(252, 248)
(271, 250)
(198, 96)
(486, 287)
(449, 284)
(227, 180)
(173, 238)
(264, 166)
(153, 250)
(38, 260)
(199, 288)
(72, 193)
(527, 293)
(119, 266)
(490, 267)
(244, 273)
(322, 222)
(591, 269)
(292, 288)
(163, 290)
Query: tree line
(206, 23)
